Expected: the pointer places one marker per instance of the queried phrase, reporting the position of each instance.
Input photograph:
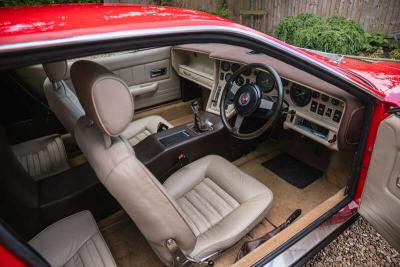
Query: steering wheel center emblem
(244, 99)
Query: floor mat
(292, 170)
(287, 197)
(127, 244)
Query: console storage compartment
(160, 151)
(175, 138)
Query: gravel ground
(359, 245)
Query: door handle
(158, 72)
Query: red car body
(26, 26)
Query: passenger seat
(73, 241)
(43, 156)
(61, 99)
(63, 102)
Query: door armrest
(143, 89)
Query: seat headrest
(56, 71)
(104, 97)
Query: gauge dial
(265, 81)
(315, 94)
(247, 72)
(335, 102)
(228, 76)
(235, 67)
(300, 95)
(240, 80)
(324, 98)
(225, 66)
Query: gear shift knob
(195, 107)
(196, 111)
(199, 124)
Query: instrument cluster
(322, 105)
(264, 80)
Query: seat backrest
(61, 99)
(109, 110)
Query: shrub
(287, 27)
(377, 54)
(334, 34)
(395, 53)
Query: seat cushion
(141, 128)
(73, 241)
(220, 203)
(43, 156)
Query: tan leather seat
(63, 102)
(43, 156)
(221, 203)
(74, 241)
(141, 128)
(60, 97)
(205, 207)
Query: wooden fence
(264, 15)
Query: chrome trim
(175, 30)
(298, 250)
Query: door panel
(141, 70)
(380, 203)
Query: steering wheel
(249, 100)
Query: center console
(160, 151)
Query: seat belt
(251, 245)
(182, 161)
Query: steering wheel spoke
(266, 104)
(238, 122)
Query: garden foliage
(332, 34)
(335, 34)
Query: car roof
(35, 23)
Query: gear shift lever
(199, 124)
(196, 111)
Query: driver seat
(205, 207)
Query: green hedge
(332, 34)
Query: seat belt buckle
(182, 160)
(162, 127)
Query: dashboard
(316, 109)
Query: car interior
(164, 155)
